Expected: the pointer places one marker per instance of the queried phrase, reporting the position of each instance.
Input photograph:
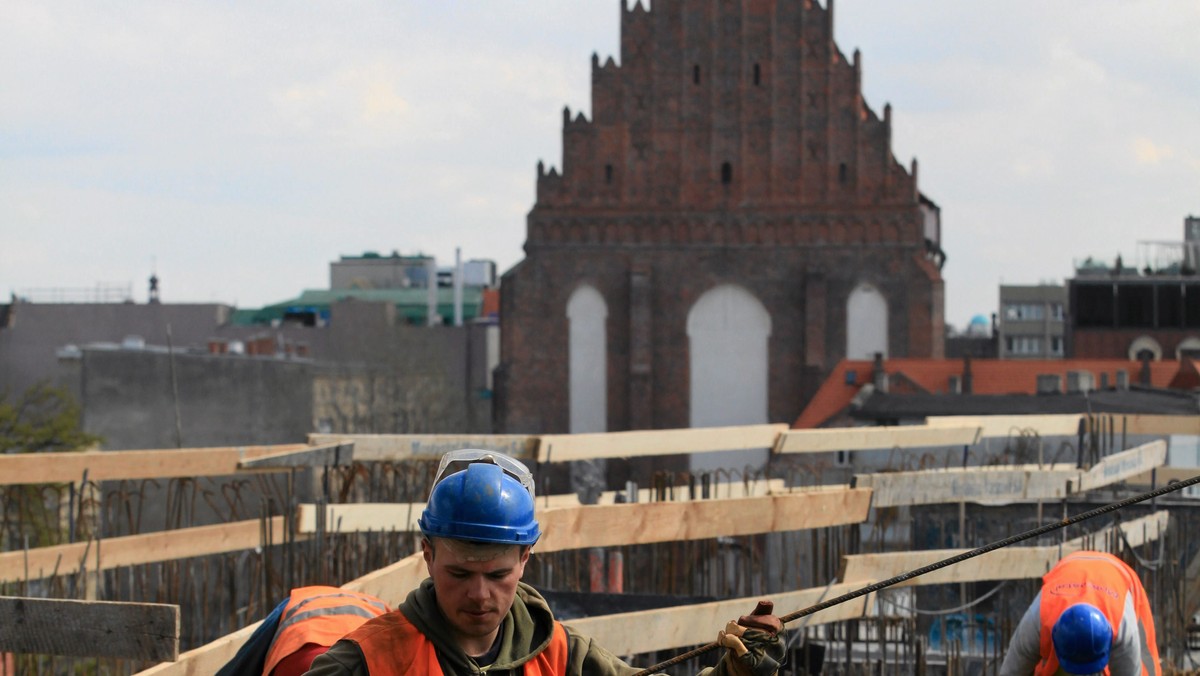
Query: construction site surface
(164, 561)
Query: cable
(948, 611)
(1041, 530)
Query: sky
(236, 149)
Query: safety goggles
(457, 461)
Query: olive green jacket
(525, 633)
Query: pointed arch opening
(866, 322)
(728, 346)
(587, 363)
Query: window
(1023, 345)
(757, 75)
(608, 173)
(1056, 345)
(1025, 311)
(1056, 311)
(726, 173)
(696, 74)
(842, 172)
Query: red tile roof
(988, 376)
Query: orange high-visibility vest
(393, 646)
(1102, 580)
(320, 615)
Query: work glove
(753, 646)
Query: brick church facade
(730, 146)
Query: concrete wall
(128, 399)
(34, 332)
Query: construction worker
(1090, 617)
(474, 615)
(301, 627)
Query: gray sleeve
(1126, 656)
(1024, 651)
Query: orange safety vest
(320, 615)
(1102, 580)
(393, 646)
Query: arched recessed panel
(1188, 347)
(1145, 346)
(866, 323)
(587, 314)
(728, 329)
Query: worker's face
(475, 587)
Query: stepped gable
(745, 108)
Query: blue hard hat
(482, 503)
(1082, 638)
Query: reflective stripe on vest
(392, 646)
(319, 615)
(1104, 581)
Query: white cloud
(244, 146)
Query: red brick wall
(814, 204)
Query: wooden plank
(1120, 466)
(40, 468)
(134, 631)
(335, 454)
(614, 525)
(868, 438)
(206, 659)
(1164, 475)
(131, 550)
(361, 517)
(993, 426)
(1156, 424)
(685, 626)
(401, 447)
(1009, 563)
(563, 447)
(392, 583)
(984, 485)
(402, 516)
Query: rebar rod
(1041, 530)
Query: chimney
(966, 375)
(878, 375)
(1079, 382)
(458, 287)
(1121, 379)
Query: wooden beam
(984, 485)
(206, 659)
(868, 438)
(1164, 475)
(42, 468)
(334, 454)
(401, 447)
(1008, 563)
(402, 516)
(563, 447)
(685, 626)
(133, 631)
(993, 426)
(132, 550)
(1156, 424)
(392, 583)
(628, 524)
(1120, 466)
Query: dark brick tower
(731, 145)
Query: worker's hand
(752, 643)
